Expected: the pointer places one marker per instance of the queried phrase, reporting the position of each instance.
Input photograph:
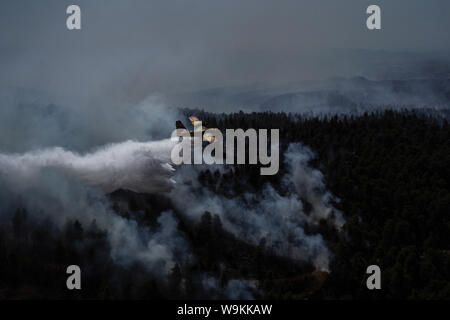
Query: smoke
(144, 167)
(178, 46)
(61, 185)
(158, 250)
(51, 195)
(31, 119)
(201, 47)
(135, 166)
(309, 184)
(278, 218)
(70, 182)
(413, 90)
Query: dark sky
(135, 48)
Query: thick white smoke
(279, 219)
(61, 185)
(309, 184)
(51, 196)
(65, 185)
(136, 166)
(157, 249)
(145, 168)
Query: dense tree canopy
(389, 171)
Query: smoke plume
(278, 218)
(134, 166)
(70, 182)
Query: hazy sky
(134, 48)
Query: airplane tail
(179, 125)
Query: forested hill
(389, 170)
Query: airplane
(196, 122)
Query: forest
(387, 169)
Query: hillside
(387, 170)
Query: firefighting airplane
(197, 127)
